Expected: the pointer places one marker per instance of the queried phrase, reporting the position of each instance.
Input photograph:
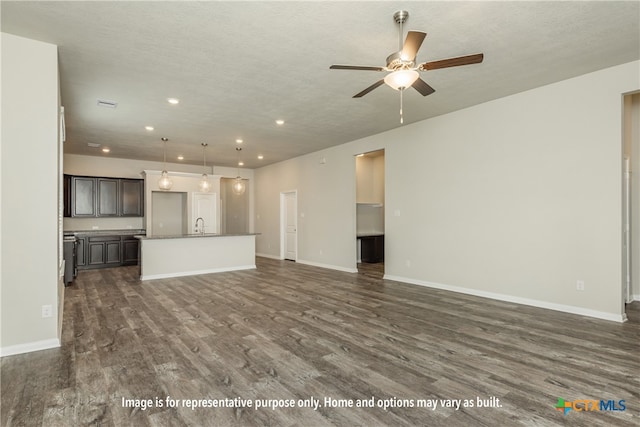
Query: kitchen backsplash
(75, 224)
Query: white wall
(326, 207)
(29, 181)
(516, 199)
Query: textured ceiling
(238, 66)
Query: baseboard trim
(328, 266)
(197, 272)
(29, 347)
(510, 298)
(268, 256)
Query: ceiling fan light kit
(401, 79)
(401, 65)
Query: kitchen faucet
(202, 229)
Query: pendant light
(165, 182)
(239, 185)
(205, 185)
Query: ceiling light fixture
(239, 141)
(149, 128)
(280, 122)
(173, 101)
(260, 157)
(205, 185)
(239, 186)
(165, 183)
(400, 80)
(180, 157)
(106, 149)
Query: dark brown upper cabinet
(132, 197)
(108, 192)
(86, 196)
(83, 196)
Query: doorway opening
(370, 214)
(289, 225)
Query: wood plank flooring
(289, 331)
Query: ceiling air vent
(107, 104)
(93, 145)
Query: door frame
(283, 221)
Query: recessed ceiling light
(106, 149)
(240, 163)
(239, 141)
(180, 157)
(279, 122)
(260, 157)
(173, 101)
(149, 128)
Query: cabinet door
(67, 195)
(112, 253)
(129, 251)
(95, 253)
(80, 252)
(107, 197)
(132, 197)
(83, 196)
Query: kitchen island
(191, 254)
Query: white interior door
(205, 207)
(290, 226)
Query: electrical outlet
(408, 263)
(580, 285)
(47, 311)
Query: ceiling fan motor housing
(395, 62)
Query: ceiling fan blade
(422, 87)
(369, 89)
(355, 67)
(452, 62)
(412, 44)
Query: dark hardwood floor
(290, 331)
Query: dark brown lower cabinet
(106, 251)
(129, 250)
(81, 252)
(372, 248)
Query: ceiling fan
(402, 67)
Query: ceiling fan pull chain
(401, 119)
